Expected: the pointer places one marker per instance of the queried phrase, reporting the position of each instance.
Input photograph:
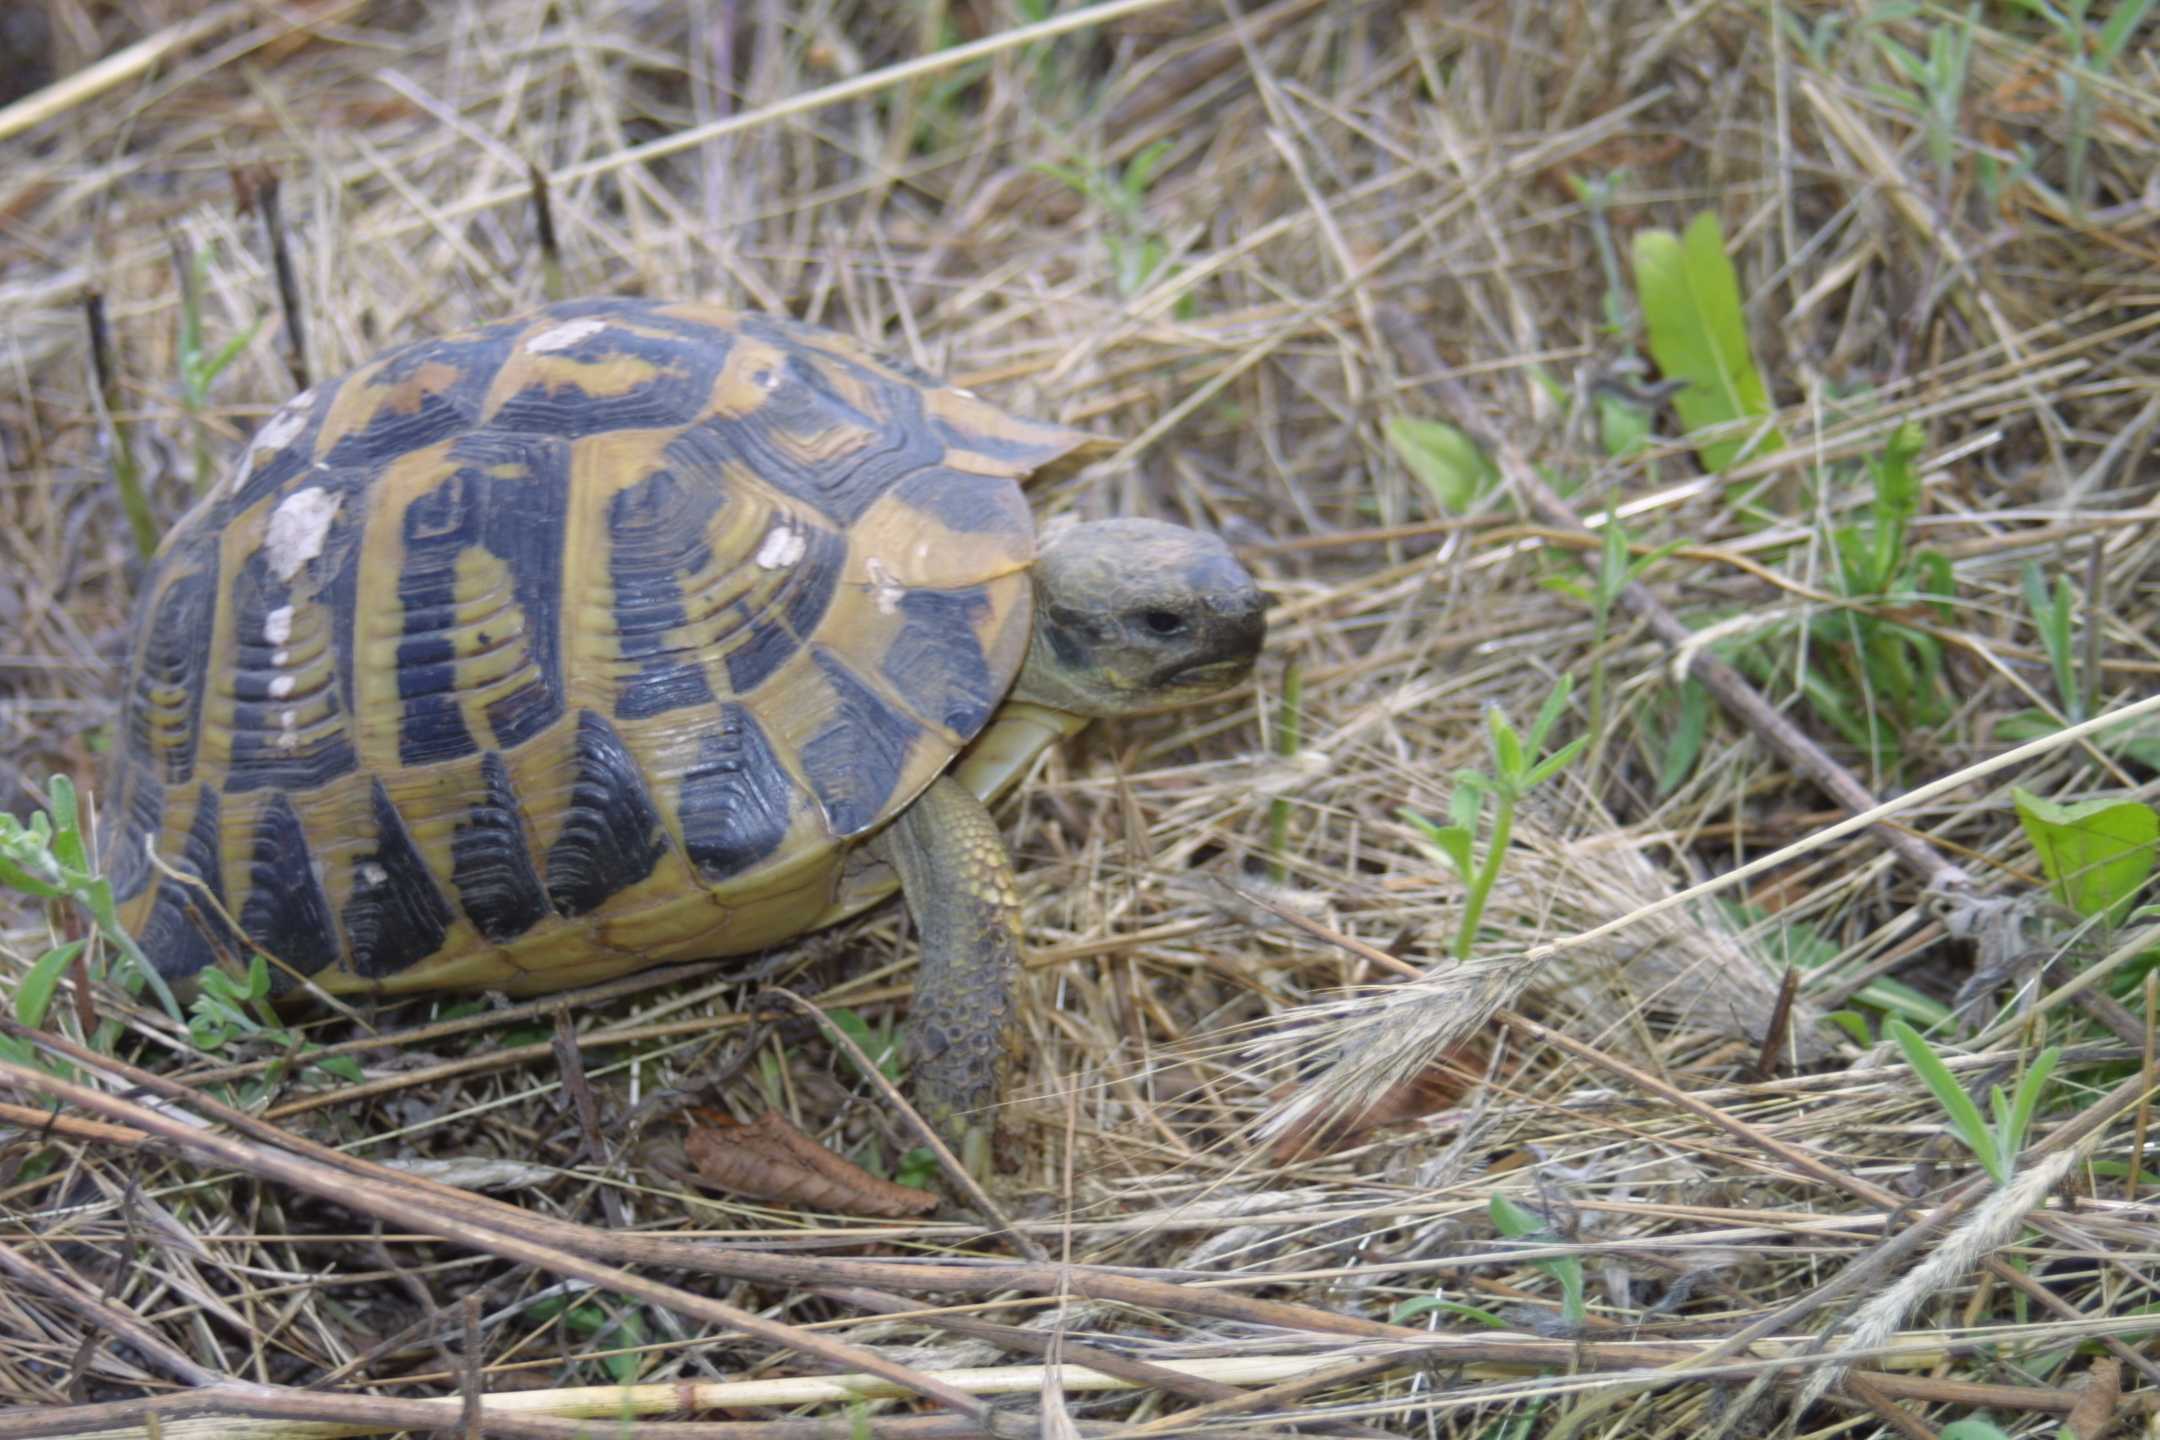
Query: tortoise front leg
(959, 885)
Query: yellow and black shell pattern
(536, 654)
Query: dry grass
(1361, 210)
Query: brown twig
(399, 1205)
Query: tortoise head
(1131, 614)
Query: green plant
(1517, 1223)
(1938, 79)
(1410, 1309)
(2097, 853)
(1894, 667)
(881, 1043)
(2092, 52)
(200, 366)
(49, 860)
(1616, 570)
(1596, 196)
(1979, 1428)
(1996, 1146)
(616, 1321)
(1138, 253)
(1450, 463)
(1697, 329)
(1516, 771)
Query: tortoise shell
(564, 646)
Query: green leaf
(1467, 799)
(2122, 23)
(1964, 1116)
(1140, 172)
(881, 1048)
(33, 997)
(1517, 1223)
(1447, 460)
(2097, 853)
(1690, 297)
(1452, 841)
(1975, 1429)
(2018, 1123)
(1683, 746)
(1854, 1024)
(1549, 713)
(919, 1168)
(342, 1067)
(1409, 1310)
(1507, 745)
(1553, 763)
(1623, 426)
(1512, 1220)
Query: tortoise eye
(1163, 622)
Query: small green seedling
(1517, 1223)
(1939, 83)
(1616, 571)
(49, 859)
(1516, 771)
(1996, 1146)
(1138, 252)
(199, 365)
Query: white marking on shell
(277, 626)
(298, 528)
(370, 874)
(285, 426)
(288, 738)
(563, 336)
(782, 546)
(963, 392)
(885, 587)
(281, 687)
(281, 658)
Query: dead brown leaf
(769, 1159)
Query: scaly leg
(959, 884)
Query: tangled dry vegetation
(1605, 1172)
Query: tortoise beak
(1233, 624)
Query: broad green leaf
(1690, 298)
(34, 996)
(2097, 853)
(1447, 460)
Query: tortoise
(627, 632)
